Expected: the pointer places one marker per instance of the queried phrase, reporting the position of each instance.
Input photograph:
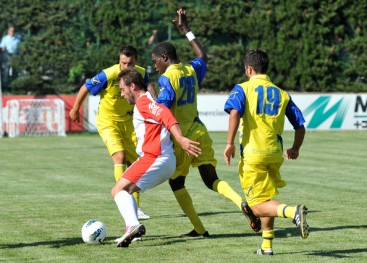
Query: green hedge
(314, 46)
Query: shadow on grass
(199, 214)
(346, 253)
(287, 232)
(168, 240)
(51, 243)
(165, 240)
(158, 240)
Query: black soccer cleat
(193, 233)
(254, 221)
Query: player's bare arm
(299, 135)
(230, 150)
(74, 112)
(191, 147)
(152, 91)
(183, 26)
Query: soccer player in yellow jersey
(179, 84)
(259, 108)
(114, 117)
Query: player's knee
(208, 175)
(177, 183)
(119, 157)
(256, 211)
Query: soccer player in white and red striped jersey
(153, 124)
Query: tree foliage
(313, 45)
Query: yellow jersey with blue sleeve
(111, 104)
(179, 86)
(262, 107)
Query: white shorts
(149, 171)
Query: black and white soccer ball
(94, 232)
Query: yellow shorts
(118, 136)
(260, 181)
(199, 133)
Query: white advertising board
(92, 110)
(321, 111)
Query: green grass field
(51, 186)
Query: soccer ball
(94, 232)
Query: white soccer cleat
(137, 239)
(131, 233)
(300, 221)
(142, 215)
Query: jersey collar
(174, 66)
(260, 76)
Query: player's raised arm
(183, 26)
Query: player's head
(130, 81)
(11, 30)
(164, 54)
(128, 57)
(257, 60)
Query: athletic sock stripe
(284, 211)
(268, 238)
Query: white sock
(127, 207)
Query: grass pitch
(51, 186)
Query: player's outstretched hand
(190, 147)
(229, 152)
(74, 115)
(181, 22)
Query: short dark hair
(167, 49)
(258, 59)
(131, 75)
(129, 51)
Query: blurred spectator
(10, 42)
(9, 46)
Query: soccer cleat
(131, 233)
(142, 215)
(300, 220)
(137, 239)
(254, 221)
(268, 252)
(193, 233)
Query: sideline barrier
(321, 111)
(67, 99)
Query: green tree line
(316, 46)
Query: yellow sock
(184, 200)
(226, 190)
(286, 211)
(267, 240)
(137, 198)
(119, 169)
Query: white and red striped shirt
(152, 122)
